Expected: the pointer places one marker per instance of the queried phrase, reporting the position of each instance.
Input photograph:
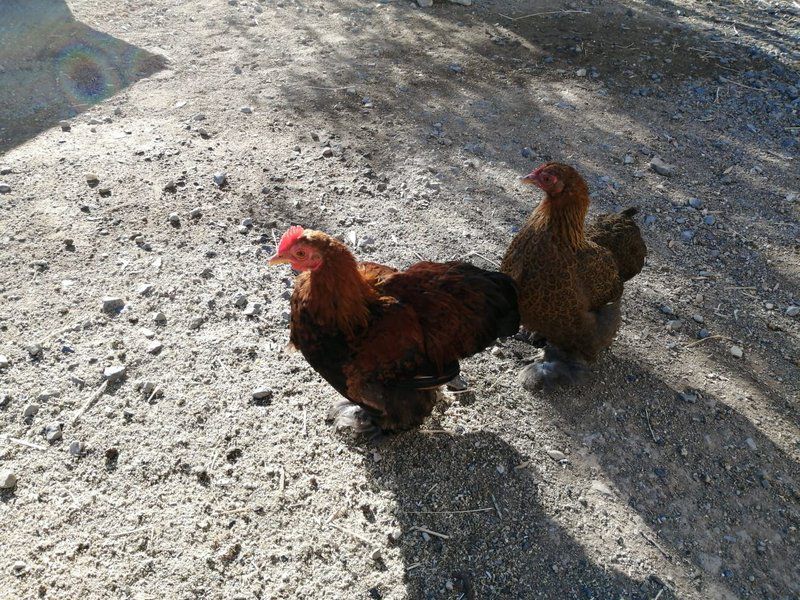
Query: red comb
(290, 237)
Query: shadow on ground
(53, 68)
(517, 553)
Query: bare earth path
(672, 474)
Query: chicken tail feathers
(620, 235)
(630, 211)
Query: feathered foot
(554, 370)
(345, 414)
(530, 337)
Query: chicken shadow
(492, 538)
(720, 494)
(53, 67)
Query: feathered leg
(556, 368)
(344, 414)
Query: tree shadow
(53, 68)
(721, 494)
(520, 552)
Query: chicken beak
(277, 259)
(529, 179)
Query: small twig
(414, 566)
(24, 443)
(658, 595)
(282, 481)
(649, 426)
(656, 544)
(497, 508)
(353, 534)
(494, 263)
(429, 532)
(90, 402)
(541, 14)
(436, 431)
(224, 368)
(749, 87)
(305, 421)
(448, 512)
(711, 337)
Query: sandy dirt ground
(156, 439)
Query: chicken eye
(300, 254)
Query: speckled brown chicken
(570, 278)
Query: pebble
(114, 373)
(666, 309)
(174, 218)
(687, 235)
(247, 110)
(457, 384)
(695, 203)
(144, 289)
(709, 219)
(661, 167)
(112, 304)
(4, 188)
(599, 486)
(253, 309)
(698, 318)
(159, 317)
(154, 347)
(92, 179)
(30, 410)
(703, 333)
(751, 444)
(239, 300)
(581, 72)
(196, 213)
(327, 152)
(77, 448)
(4, 362)
(220, 179)
(456, 68)
(8, 479)
(627, 159)
(674, 325)
(497, 351)
(248, 222)
(425, 3)
(170, 187)
(34, 350)
(736, 351)
(195, 323)
(556, 455)
(54, 431)
(792, 311)
(688, 396)
(263, 393)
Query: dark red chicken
(387, 339)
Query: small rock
(34, 350)
(247, 110)
(695, 203)
(709, 219)
(253, 309)
(497, 351)
(661, 167)
(170, 187)
(239, 300)
(196, 213)
(456, 68)
(666, 309)
(687, 235)
(425, 3)
(327, 152)
(195, 323)
(92, 179)
(19, 568)
(457, 384)
(30, 410)
(114, 373)
(174, 218)
(263, 394)
(248, 222)
(8, 479)
(154, 347)
(54, 431)
(675, 325)
(144, 289)
(792, 311)
(4, 188)
(77, 448)
(112, 304)
(698, 318)
(581, 72)
(501, 469)
(688, 396)
(751, 444)
(556, 455)
(627, 159)
(159, 317)
(703, 333)
(4, 362)
(736, 351)
(220, 179)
